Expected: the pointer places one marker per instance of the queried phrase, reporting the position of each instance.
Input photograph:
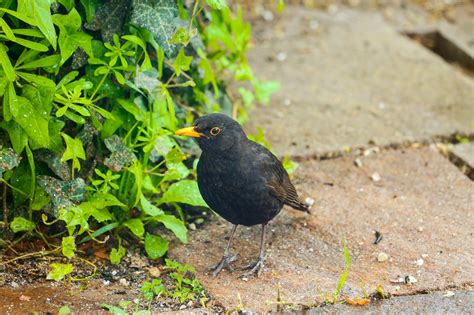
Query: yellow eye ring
(215, 131)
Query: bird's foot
(224, 263)
(254, 269)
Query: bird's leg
(256, 268)
(227, 258)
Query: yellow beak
(189, 131)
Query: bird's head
(214, 132)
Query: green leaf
(45, 62)
(149, 208)
(185, 191)
(116, 255)
(34, 124)
(74, 151)
(174, 224)
(217, 4)
(68, 246)
(64, 310)
(70, 38)
(158, 17)
(289, 165)
(6, 64)
(90, 7)
(39, 11)
(59, 271)
(68, 4)
(20, 224)
(155, 246)
(264, 89)
(136, 226)
(7, 30)
(182, 62)
(180, 37)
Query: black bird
(240, 180)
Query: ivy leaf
(34, 124)
(158, 17)
(185, 191)
(70, 38)
(40, 12)
(109, 18)
(182, 62)
(155, 246)
(116, 255)
(59, 271)
(121, 155)
(8, 160)
(74, 151)
(136, 226)
(217, 4)
(175, 225)
(63, 194)
(20, 224)
(68, 246)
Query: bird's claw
(254, 269)
(224, 263)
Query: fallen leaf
(155, 272)
(357, 301)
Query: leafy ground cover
(92, 92)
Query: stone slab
(349, 79)
(465, 152)
(422, 205)
(461, 302)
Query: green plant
(92, 94)
(185, 287)
(343, 277)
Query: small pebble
(136, 301)
(182, 307)
(375, 177)
(287, 102)
(382, 257)
(309, 201)
(410, 279)
(155, 272)
(281, 56)
(267, 15)
(421, 229)
(106, 282)
(14, 284)
(419, 262)
(314, 25)
(245, 279)
(449, 294)
(114, 272)
(424, 255)
(358, 162)
(124, 282)
(192, 226)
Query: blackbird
(240, 180)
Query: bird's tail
(298, 205)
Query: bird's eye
(215, 131)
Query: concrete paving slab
(465, 152)
(421, 203)
(461, 302)
(349, 79)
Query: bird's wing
(278, 181)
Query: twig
(5, 208)
(40, 253)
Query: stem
(40, 253)
(5, 208)
(13, 187)
(193, 15)
(99, 86)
